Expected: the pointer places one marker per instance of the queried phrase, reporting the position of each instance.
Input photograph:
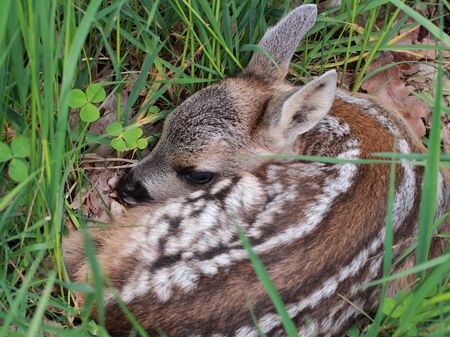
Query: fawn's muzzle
(131, 190)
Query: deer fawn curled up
(176, 259)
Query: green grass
(49, 47)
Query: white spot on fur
(184, 277)
(352, 143)
(246, 331)
(309, 330)
(137, 286)
(274, 208)
(331, 124)
(205, 221)
(197, 194)
(161, 285)
(328, 322)
(345, 316)
(269, 321)
(245, 195)
(405, 196)
(220, 186)
(187, 255)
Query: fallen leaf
(445, 135)
(391, 90)
(96, 199)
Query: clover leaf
(118, 144)
(126, 137)
(132, 134)
(5, 153)
(21, 146)
(18, 169)
(95, 93)
(142, 143)
(114, 129)
(77, 98)
(84, 101)
(15, 153)
(89, 113)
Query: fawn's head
(208, 136)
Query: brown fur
(309, 259)
(221, 129)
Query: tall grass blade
(261, 272)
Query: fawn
(179, 265)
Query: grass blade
(268, 284)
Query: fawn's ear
(300, 111)
(280, 42)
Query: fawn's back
(317, 227)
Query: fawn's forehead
(222, 112)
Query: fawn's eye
(198, 177)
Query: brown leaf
(97, 198)
(391, 90)
(445, 135)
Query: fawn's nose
(131, 190)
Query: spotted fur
(178, 263)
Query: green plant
(126, 137)
(16, 154)
(85, 101)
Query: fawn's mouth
(134, 200)
(131, 191)
(129, 201)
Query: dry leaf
(391, 90)
(95, 199)
(445, 135)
